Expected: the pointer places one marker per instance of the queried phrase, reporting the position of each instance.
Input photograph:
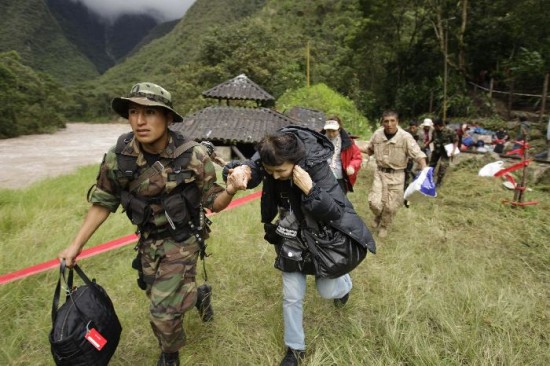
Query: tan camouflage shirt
(394, 153)
(107, 190)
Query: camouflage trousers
(169, 270)
(441, 158)
(386, 196)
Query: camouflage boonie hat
(147, 94)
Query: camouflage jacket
(443, 137)
(108, 189)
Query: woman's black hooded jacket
(326, 202)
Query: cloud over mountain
(163, 10)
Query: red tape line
(102, 248)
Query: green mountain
(104, 42)
(31, 101)
(29, 28)
(171, 60)
(70, 42)
(156, 60)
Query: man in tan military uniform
(163, 181)
(392, 147)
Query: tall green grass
(460, 280)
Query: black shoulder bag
(334, 253)
(85, 329)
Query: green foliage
(28, 27)
(459, 104)
(320, 97)
(31, 101)
(380, 54)
(256, 49)
(524, 71)
(526, 64)
(413, 99)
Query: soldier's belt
(390, 170)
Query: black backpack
(85, 329)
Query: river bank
(28, 159)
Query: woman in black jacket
(297, 179)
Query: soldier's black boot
(204, 302)
(169, 359)
(293, 357)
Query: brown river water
(27, 159)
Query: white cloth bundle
(422, 186)
(491, 169)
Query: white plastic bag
(422, 186)
(491, 169)
(449, 149)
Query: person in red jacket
(346, 160)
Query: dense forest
(417, 56)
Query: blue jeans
(294, 289)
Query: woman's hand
(302, 179)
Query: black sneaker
(293, 357)
(204, 303)
(341, 301)
(169, 359)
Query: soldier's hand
(238, 177)
(350, 170)
(69, 254)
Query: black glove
(271, 235)
(209, 147)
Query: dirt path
(28, 159)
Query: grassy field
(460, 280)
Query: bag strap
(69, 283)
(57, 291)
(83, 276)
(313, 227)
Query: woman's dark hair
(280, 147)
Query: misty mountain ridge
(104, 41)
(70, 42)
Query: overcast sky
(164, 9)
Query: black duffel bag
(334, 253)
(85, 329)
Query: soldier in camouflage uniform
(392, 147)
(441, 136)
(163, 181)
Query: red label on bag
(95, 338)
